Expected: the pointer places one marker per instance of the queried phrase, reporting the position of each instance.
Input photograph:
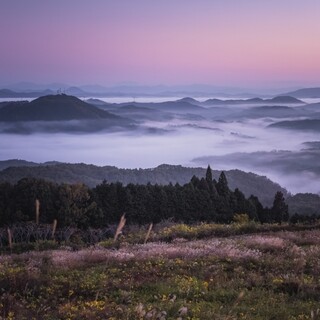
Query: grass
(183, 272)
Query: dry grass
(54, 227)
(37, 204)
(251, 247)
(148, 233)
(121, 224)
(262, 276)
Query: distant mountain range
(133, 89)
(192, 105)
(61, 108)
(304, 125)
(273, 112)
(255, 101)
(213, 109)
(249, 183)
(6, 93)
(31, 90)
(305, 93)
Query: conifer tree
(211, 182)
(209, 175)
(279, 209)
(222, 186)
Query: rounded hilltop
(52, 108)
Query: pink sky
(228, 42)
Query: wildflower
(183, 311)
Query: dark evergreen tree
(24, 194)
(224, 212)
(279, 209)
(211, 182)
(190, 203)
(173, 203)
(76, 205)
(209, 175)
(260, 212)
(106, 196)
(244, 206)
(204, 185)
(138, 212)
(195, 181)
(222, 185)
(6, 190)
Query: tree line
(205, 200)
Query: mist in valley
(227, 137)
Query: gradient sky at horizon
(248, 43)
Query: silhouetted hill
(52, 108)
(141, 113)
(254, 101)
(190, 100)
(91, 175)
(305, 93)
(312, 107)
(172, 106)
(97, 102)
(268, 111)
(304, 204)
(75, 91)
(284, 99)
(178, 106)
(6, 93)
(4, 164)
(305, 125)
(219, 102)
(16, 163)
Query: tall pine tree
(209, 175)
(279, 209)
(222, 185)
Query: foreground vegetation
(206, 271)
(63, 255)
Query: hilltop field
(244, 270)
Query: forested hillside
(77, 205)
(90, 175)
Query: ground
(258, 275)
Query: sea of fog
(245, 145)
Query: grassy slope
(273, 275)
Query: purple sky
(221, 42)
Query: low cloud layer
(288, 157)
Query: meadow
(244, 270)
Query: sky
(247, 43)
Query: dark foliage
(76, 205)
(249, 183)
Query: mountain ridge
(92, 175)
(305, 93)
(277, 99)
(305, 124)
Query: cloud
(299, 171)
